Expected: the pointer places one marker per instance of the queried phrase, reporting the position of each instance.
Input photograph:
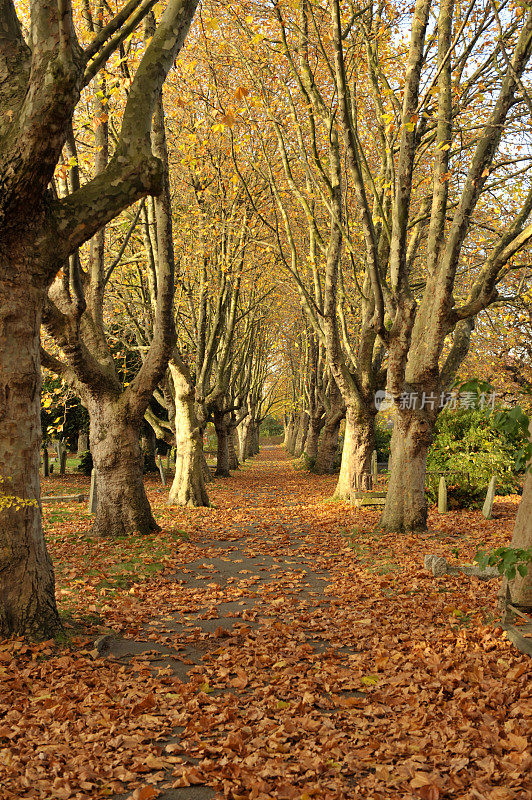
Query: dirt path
(272, 648)
(332, 666)
(278, 584)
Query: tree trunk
(241, 437)
(122, 506)
(289, 432)
(316, 424)
(232, 444)
(328, 444)
(293, 432)
(244, 439)
(521, 587)
(302, 431)
(406, 503)
(359, 443)
(188, 487)
(207, 476)
(287, 424)
(27, 585)
(255, 438)
(147, 446)
(222, 438)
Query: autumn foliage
(323, 663)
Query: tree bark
(292, 434)
(328, 443)
(359, 443)
(26, 574)
(406, 504)
(241, 436)
(302, 432)
(255, 438)
(232, 444)
(147, 446)
(222, 438)
(83, 442)
(521, 587)
(287, 425)
(316, 424)
(244, 438)
(207, 475)
(188, 487)
(122, 506)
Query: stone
(103, 643)
(427, 561)
(161, 470)
(92, 494)
(442, 496)
(488, 502)
(374, 465)
(439, 566)
(83, 442)
(45, 462)
(63, 462)
(64, 498)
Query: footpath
(274, 647)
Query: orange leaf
(145, 793)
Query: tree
(424, 121)
(74, 316)
(308, 186)
(40, 90)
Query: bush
(468, 448)
(460, 494)
(85, 463)
(383, 438)
(271, 426)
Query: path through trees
(273, 643)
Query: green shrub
(507, 560)
(271, 426)
(383, 438)
(85, 463)
(469, 448)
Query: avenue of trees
(209, 213)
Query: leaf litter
(274, 646)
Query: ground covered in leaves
(273, 647)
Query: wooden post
(161, 470)
(442, 496)
(92, 494)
